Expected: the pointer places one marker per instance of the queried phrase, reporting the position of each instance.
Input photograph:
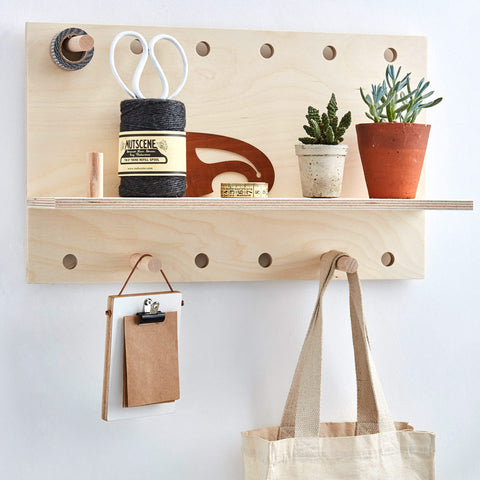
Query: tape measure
(244, 190)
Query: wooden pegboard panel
(233, 91)
(102, 241)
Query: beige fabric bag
(303, 448)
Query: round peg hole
(201, 260)
(329, 52)
(388, 259)
(267, 50)
(136, 46)
(70, 261)
(265, 260)
(202, 49)
(390, 55)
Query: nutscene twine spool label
(152, 153)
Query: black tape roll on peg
(67, 53)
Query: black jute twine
(155, 115)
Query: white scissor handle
(141, 63)
(158, 68)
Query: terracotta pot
(321, 169)
(392, 157)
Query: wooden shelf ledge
(261, 204)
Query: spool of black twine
(152, 115)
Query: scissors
(148, 52)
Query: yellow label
(244, 190)
(150, 153)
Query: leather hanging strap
(134, 268)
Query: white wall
(240, 341)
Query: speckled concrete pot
(321, 169)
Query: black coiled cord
(152, 115)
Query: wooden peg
(79, 43)
(148, 264)
(347, 264)
(95, 174)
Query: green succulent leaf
(325, 121)
(427, 95)
(334, 124)
(309, 130)
(330, 136)
(432, 104)
(313, 112)
(332, 107)
(312, 122)
(317, 131)
(367, 98)
(346, 121)
(307, 140)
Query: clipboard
(151, 360)
(118, 307)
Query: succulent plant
(393, 100)
(326, 129)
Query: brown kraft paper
(151, 361)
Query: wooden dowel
(95, 174)
(79, 43)
(148, 264)
(347, 264)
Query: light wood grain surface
(232, 91)
(233, 240)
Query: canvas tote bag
(304, 448)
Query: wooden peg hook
(79, 43)
(347, 264)
(148, 264)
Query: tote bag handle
(301, 416)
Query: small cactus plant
(326, 129)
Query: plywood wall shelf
(212, 239)
(264, 204)
(233, 91)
